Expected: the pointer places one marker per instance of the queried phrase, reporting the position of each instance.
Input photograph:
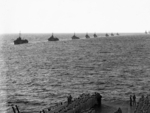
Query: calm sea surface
(39, 74)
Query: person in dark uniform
(99, 99)
(131, 100)
(69, 99)
(134, 100)
(119, 110)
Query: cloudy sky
(46, 16)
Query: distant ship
(106, 34)
(52, 38)
(117, 33)
(75, 37)
(20, 41)
(145, 32)
(112, 34)
(95, 35)
(87, 36)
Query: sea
(40, 74)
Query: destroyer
(87, 36)
(112, 34)
(20, 41)
(75, 37)
(106, 35)
(95, 35)
(52, 38)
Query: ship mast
(20, 34)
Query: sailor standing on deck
(69, 99)
(99, 99)
(134, 99)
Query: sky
(69, 16)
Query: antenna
(19, 33)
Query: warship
(52, 38)
(75, 37)
(95, 35)
(87, 36)
(20, 41)
(117, 33)
(106, 35)
(112, 34)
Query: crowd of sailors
(132, 100)
(143, 105)
(85, 103)
(77, 105)
(82, 104)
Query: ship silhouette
(52, 38)
(75, 37)
(87, 36)
(95, 35)
(20, 41)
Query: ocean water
(37, 75)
